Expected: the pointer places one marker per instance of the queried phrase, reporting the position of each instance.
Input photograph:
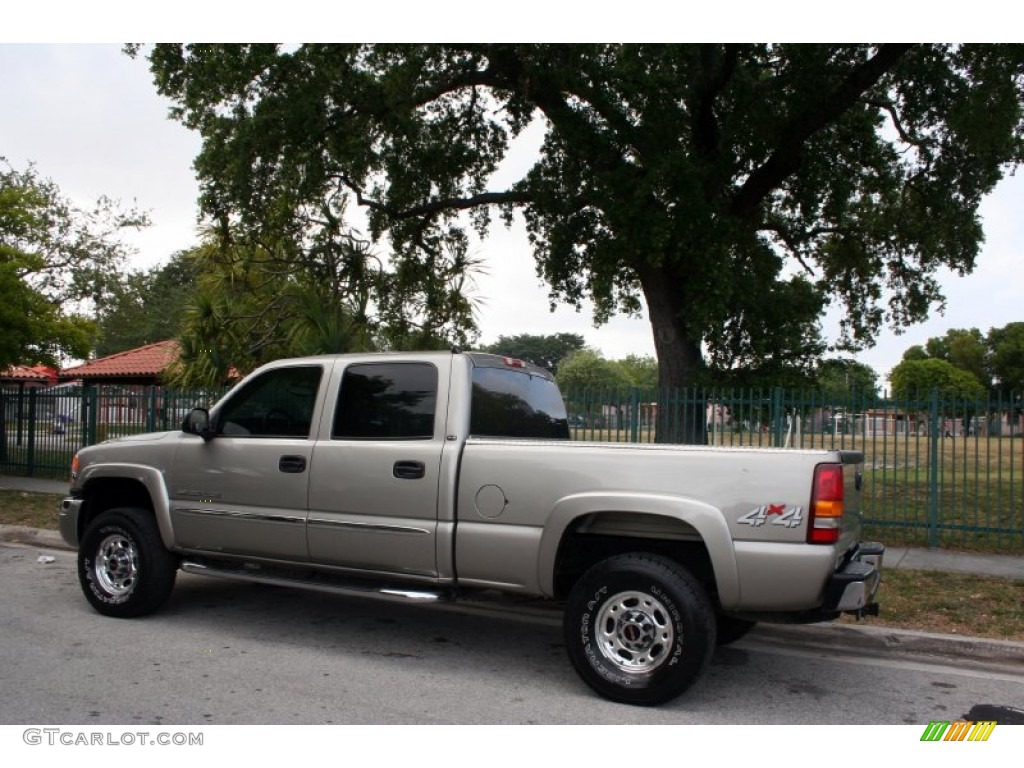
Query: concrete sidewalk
(1004, 566)
(33, 484)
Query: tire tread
(157, 566)
(695, 607)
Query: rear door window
(386, 401)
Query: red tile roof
(150, 360)
(28, 373)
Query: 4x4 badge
(779, 514)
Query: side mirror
(197, 422)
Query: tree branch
(433, 207)
(897, 122)
(785, 159)
(717, 71)
(476, 78)
(793, 243)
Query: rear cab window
(512, 399)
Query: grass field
(38, 510)
(951, 603)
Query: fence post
(20, 415)
(84, 415)
(3, 426)
(151, 411)
(934, 429)
(30, 456)
(778, 417)
(634, 416)
(90, 405)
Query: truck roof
(478, 359)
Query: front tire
(639, 629)
(123, 567)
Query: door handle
(409, 470)
(292, 464)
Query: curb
(929, 647)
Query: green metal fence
(938, 471)
(41, 429)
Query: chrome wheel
(117, 565)
(639, 628)
(635, 632)
(123, 566)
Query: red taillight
(512, 362)
(826, 521)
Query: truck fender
(152, 480)
(707, 520)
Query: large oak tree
(739, 190)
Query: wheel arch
(108, 486)
(598, 525)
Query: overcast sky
(90, 119)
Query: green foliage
(331, 293)
(843, 380)
(587, 370)
(55, 260)
(1007, 356)
(546, 351)
(760, 377)
(34, 329)
(916, 378)
(916, 352)
(965, 349)
(995, 359)
(640, 370)
(700, 178)
(146, 307)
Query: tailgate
(853, 484)
(852, 588)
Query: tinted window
(508, 403)
(386, 401)
(278, 403)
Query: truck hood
(147, 437)
(155, 449)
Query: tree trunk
(681, 410)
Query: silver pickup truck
(430, 476)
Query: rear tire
(123, 567)
(639, 629)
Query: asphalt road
(223, 653)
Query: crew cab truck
(429, 476)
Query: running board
(321, 582)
